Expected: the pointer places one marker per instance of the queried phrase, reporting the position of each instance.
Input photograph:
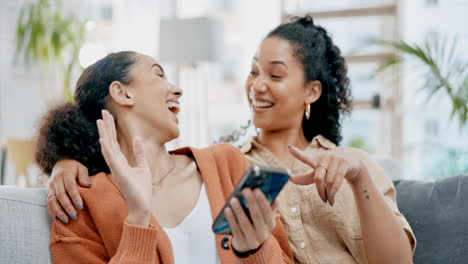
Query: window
(431, 128)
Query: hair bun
(65, 132)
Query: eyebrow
(273, 62)
(159, 66)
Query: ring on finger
(51, 195)
(321, 166)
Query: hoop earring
(307, 111)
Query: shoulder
(225, 151)
(359, 153)
(103, 187)
(104, 209)
(229, 161)
(103, 199)
(100, 223)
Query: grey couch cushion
(438, 214)
(24, 225)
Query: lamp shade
(191, 40)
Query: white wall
(19, 95)
(136, 27)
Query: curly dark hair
(69, 130)
(322, 61)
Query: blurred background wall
(392, 117)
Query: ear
(313, 91)
(121, 94)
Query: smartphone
(268, 179)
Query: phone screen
(268, 179)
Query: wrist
(139, 218)
(361, 179)
(246, 253)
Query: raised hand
(329, 171)
(135, 183)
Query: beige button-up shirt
(319, 233)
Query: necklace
(157, 183)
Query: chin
(261, 123)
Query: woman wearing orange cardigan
(148, 205)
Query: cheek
(291, 97)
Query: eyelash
(252, 73)
(161, 75)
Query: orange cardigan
(101, 235)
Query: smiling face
(152, 99)
(276, 87)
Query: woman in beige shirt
(341, 208)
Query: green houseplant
(47, 34)
(446, 73)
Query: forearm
(385, 240)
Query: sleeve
(79, 243)
(276, 249)
(385, 185)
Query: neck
(277, 142)
(158, 159)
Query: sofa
(437, 212)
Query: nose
(258, 85)
(176, 90)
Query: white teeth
(172, 105)
(261, 104)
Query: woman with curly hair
(148, 205)
(341, 208)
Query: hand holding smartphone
(269, 180)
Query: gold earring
(307, 111)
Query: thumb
(139, 152)
(304, 179)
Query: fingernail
(292, 147)
(331, 203)
(64, 219)
(79, 205)
(89, 182)
(324, 200)
(333, 192)
(73, 215)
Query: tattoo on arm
(367, 194)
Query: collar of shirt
(318, 141)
